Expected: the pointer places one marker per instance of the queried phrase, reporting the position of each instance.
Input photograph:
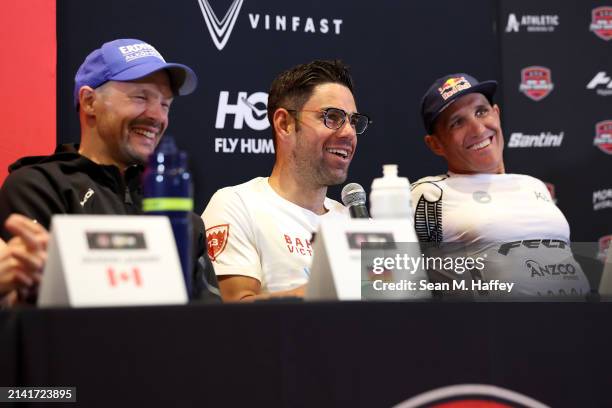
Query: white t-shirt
(511, 220)
(252, 231)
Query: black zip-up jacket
(68, 183)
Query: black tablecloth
(311, 354)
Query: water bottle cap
(390, 170)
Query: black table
(311, 354)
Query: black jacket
(68, 183)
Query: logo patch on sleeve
(217, 240)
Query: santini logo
(544, 139)
(220, 31)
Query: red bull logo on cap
(453, 85)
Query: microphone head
(353, 194)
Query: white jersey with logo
(509, 219)
(253, 231)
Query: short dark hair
(293, 87)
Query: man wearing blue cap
(123, 93)
(477, 204)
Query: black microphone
(354, 197)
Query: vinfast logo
(603, 136)
(536, 82)
(601, 22)
(541, 23)
(220, 30)
(243, 108)
(602, 82)
(543, 139)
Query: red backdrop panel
(27, 80)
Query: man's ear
(87, 97)
(434, 145)
(496, 109)
(284, 124)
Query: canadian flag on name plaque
(108, 260)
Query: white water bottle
(390, 195)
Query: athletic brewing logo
(536, 82)
(603, 136)
(220, 30)
(217, 240)
(542, 23)
(601, 22)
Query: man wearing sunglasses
(259, 234)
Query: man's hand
(23, 257)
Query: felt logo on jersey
(603, 136)
(536, 82)
(601, 22)
(551, 189)
(471, 395)
(505, 248)
(604, 245)
(453, 85)
(217, 240)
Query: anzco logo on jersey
(601, 22)
(604, 246)
(536, 82)
(564, 271)
(603, 136)
(470, 395)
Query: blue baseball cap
(446, 90)
(127, 60)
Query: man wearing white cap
(123, 92)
